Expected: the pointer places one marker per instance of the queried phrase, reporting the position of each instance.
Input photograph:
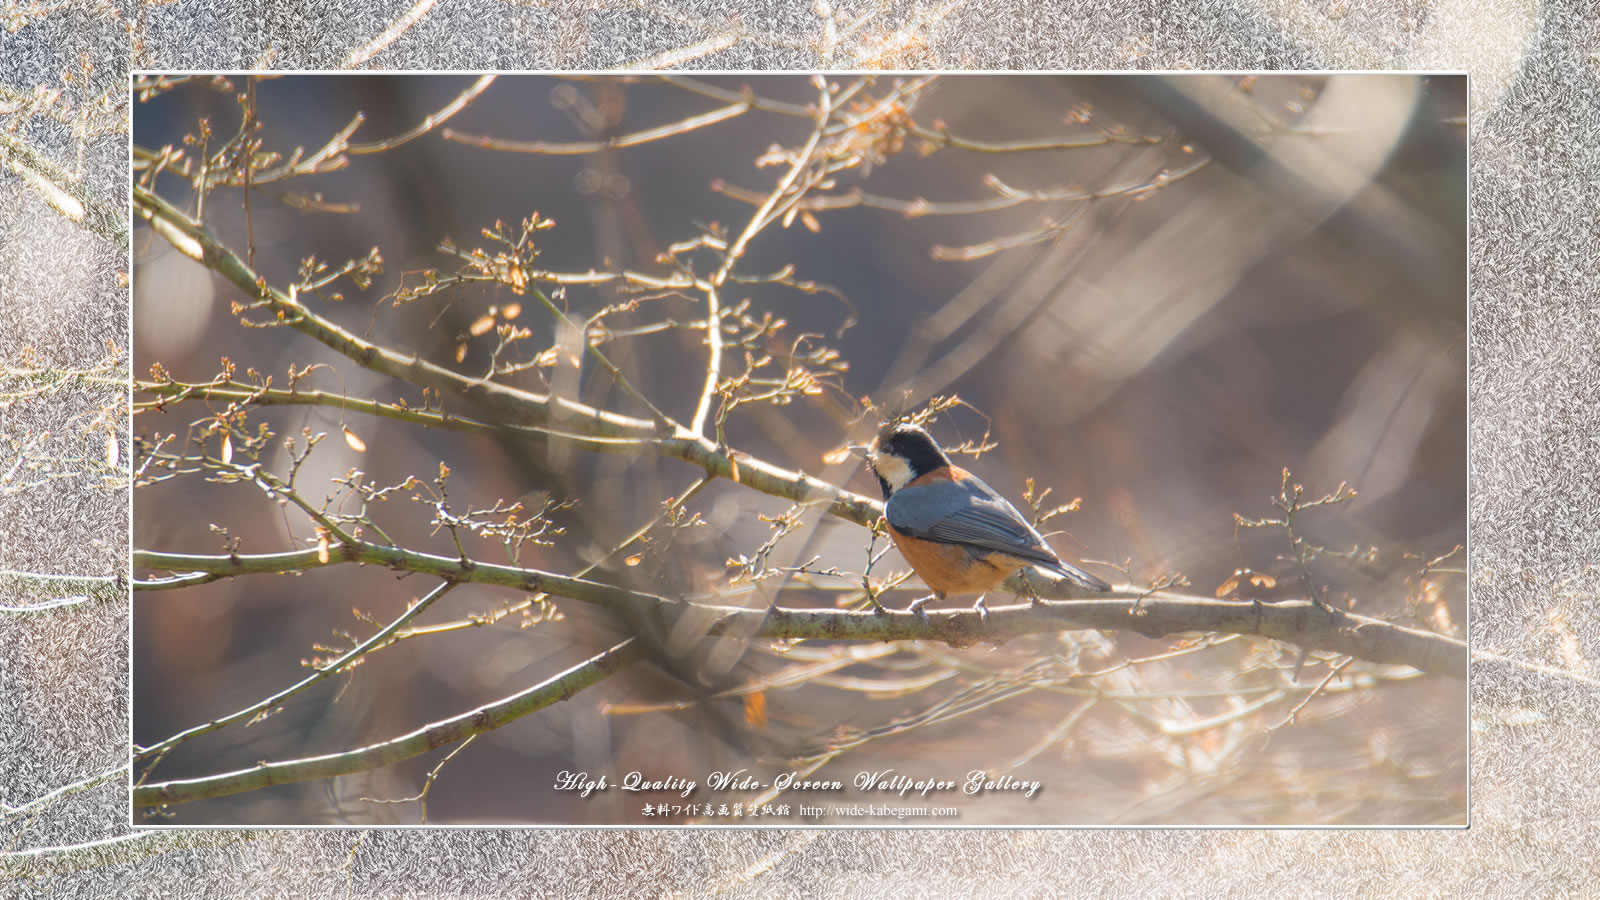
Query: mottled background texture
(1534, 432)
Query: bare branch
(576, 422)
(263, 706)
(434, 120)
(457, 728)
(633, 139)
(1127, 607)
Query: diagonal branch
(448, 731)
(556, 417)
(333, 668)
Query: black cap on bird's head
(902, 452)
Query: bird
(958, 534)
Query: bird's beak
(840, 454)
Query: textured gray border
(1535, 444)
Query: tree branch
(457, 728)
(1125, 608)
(591, 428)
(261, 707)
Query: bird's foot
(982, 608)
(1034, 599)
(918, 604)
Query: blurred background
(1251, 274)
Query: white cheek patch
(892, 469)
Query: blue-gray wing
(969, 512)
(966, 512)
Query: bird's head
(901, 453)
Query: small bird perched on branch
(958, 534)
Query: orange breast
(950, 569)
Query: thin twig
(577, 148)
(448, 731)
(432, 121)
(332, 668)
(759, 220)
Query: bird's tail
(1076, 575)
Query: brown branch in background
(937, 136)
(1154, 614)
(633, 139)
(524, 407)
(430, 122)
(663, 422)
(448, 731)
(235, 392)
(1008, 196)
(735, 251)
(263, 707)
(551, 415)
(747, 95)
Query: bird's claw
(983, 611)
(917, 608)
